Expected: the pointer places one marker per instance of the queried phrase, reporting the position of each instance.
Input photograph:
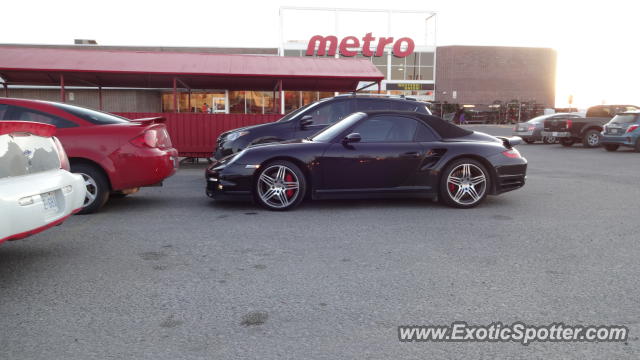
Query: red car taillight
(632, 128)
(157, 137)
(62, 155)
(512, 153)
(569, 123)
(149, 138)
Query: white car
(37, 191)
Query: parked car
(36, 189)
(310, 119)
(373, 154)
(114, 155)
(531, 131)
(588, 129)
(622, 130)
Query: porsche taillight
(62, 155)
(632, 128)
(569, 123)
(512, 153)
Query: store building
(398, 46)
(484, 74)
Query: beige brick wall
(482, 74)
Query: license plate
(49, 201)
(613, 131)
(555, 133)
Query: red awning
(144, 69)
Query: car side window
(3, 110)
(386, 128)
(405, 106)
(330, 112)
(24, 114)
(374, 104)
(424, 133)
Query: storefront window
(426, 59)
(236, 102)
(397, 61)
(308, 97)
(325, 94)
(397, 72)
(413, 73)
(195, 103)
(426, 72)
(413, 59)
(380, 60)
(291, 101)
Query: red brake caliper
(289, 178)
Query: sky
(596, 42)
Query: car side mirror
(352, 138)
(306, 121)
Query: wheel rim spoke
(477, 180)
(283, 198)
(473, 193)
(268, 180)
(466, 170)
(290, 185)
(459, 194)
(92, 189)
(281, 173)
(455, 180)
(269, 194)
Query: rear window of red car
(92, 116)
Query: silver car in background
(531, 131)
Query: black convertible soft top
(445, 129)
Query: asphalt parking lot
(169, 274)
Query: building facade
(455, 74)
(484, 74)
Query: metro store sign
(349, 46)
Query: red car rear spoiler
(150, 120)
(39, 129)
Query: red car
(116, 156)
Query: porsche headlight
(235, 135)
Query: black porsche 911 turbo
(372, 155)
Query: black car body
(310, 119)
(586, 130)
(373, 154)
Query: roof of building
(36, 65)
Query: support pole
(379, 86)
(189, 101)
(6, 89)
(175, 95)
(281, 110)
(100, 97)
(62, 97)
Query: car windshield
(624, 119)
(293, 113)
(92, 116)
(334, 130)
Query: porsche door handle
(411, 154)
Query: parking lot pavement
(169, 274)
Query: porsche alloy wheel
(280, 186)
(465, 183)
